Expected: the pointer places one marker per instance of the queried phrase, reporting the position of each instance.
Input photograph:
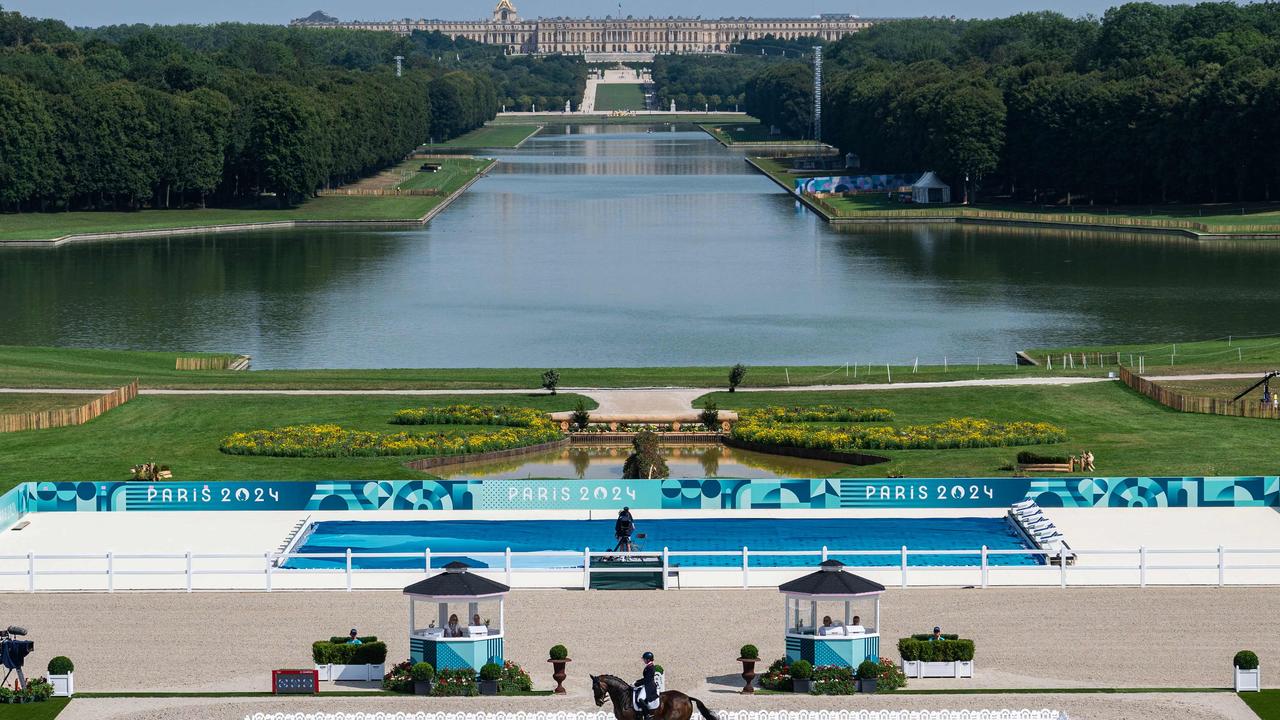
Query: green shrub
(868, 670)
(61, 665)
(513, 679)
(832, 680)
(890, 676)
(1246, 660)
(455, 683)
(736, 374)
(5, 694)
(645, 461)
(581, 418)
(38, 690)
(341, 639)
(710, 415)
(491, 672)
(422, 672)
(559, 652)
(750, 652)
(551, 379)
(1026, 457)
(773, 426)
(919, 647)
(658, 668)
(801, 670)
(777, 677)
(926, 636)
(399, 678)
(326, 653)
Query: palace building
(609, 35)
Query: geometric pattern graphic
(841, 652)
(457, 655)
(671, 494)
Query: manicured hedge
(1026, 457)
(344, 653)
(951, 650)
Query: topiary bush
(581, 417)
(749, 652)
(422, 672)
(61, 665)
(801, 670)
(491, 672)
(1246, 660)
(559, 652)
(646, 459)
(710, 415)
(868, 670)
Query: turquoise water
(451, 540)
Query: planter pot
(867, 686)
(921, 669)
(63, 685)
(558, 674)
(350, 673)
(748, 674)
(802, 686)
(488, 687)
(1248, 680)
(422, 687)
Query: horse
(672, 705)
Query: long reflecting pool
(684, 461)
(616, 246)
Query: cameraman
(623, 527)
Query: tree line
(134, 116)
(1149, 103)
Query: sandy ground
(1198, 706)
(1026, 637)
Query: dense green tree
(27, 136)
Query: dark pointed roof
(832, 581)
(456, 582)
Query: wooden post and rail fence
(64, 417)
(1196, 404)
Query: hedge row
(955, 650)
(324, 652)
(472, 415)
(952, 433)
(335, 441)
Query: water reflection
(616, 246)
(605, 462)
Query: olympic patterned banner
(13, 505)
(669, 494)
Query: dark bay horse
(672, 705)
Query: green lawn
(1129, 434)
(13, 403)
(620, 96)
(748, 132)
(26, 367)
(1266, 703)
(46, 710)
(663, 118)
(1219, 355)
(43, 226)
(490, 136)
(453, 173)
(183, 432)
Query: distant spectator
(352, 639)
(937, 634)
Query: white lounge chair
(1023, 505)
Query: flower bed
(514, 679)
(455, 683)
(776, 426)
(519, 427)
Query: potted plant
(338, 659)
(802, 676)
(1248, 678)
(422, 673)
(559, 655)
(61, 677)
(868, 676)
(748, 655)
(490, 674)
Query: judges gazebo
(472, 644)
(846, 643)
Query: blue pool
(465, 539)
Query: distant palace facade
(583, 36)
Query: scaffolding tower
(817, 93)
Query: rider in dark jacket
(650, 685)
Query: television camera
(13, 652)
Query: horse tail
(706, 713)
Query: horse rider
(649, 702)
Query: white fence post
(426, 560)
(188, 571)
(666, 565)
(586, 568)
(1062, 566)
(904, 566)
(746, 580)
(824, 553)
(1142, 566)
(506, 558)
(348, 569)
(31, 572)
(111, 572)
(268, 558)
(1222, 567)
(984, 567)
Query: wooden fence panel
(1194, 403)
(64, 417)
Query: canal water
(602, 246)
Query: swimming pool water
(451, 540)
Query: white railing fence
(741, 568)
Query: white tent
(930, 190)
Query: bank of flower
(518, 427)
(776, 426)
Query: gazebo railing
(742, 567)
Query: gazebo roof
(929, 180)
(832, 582)
(456, 582)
